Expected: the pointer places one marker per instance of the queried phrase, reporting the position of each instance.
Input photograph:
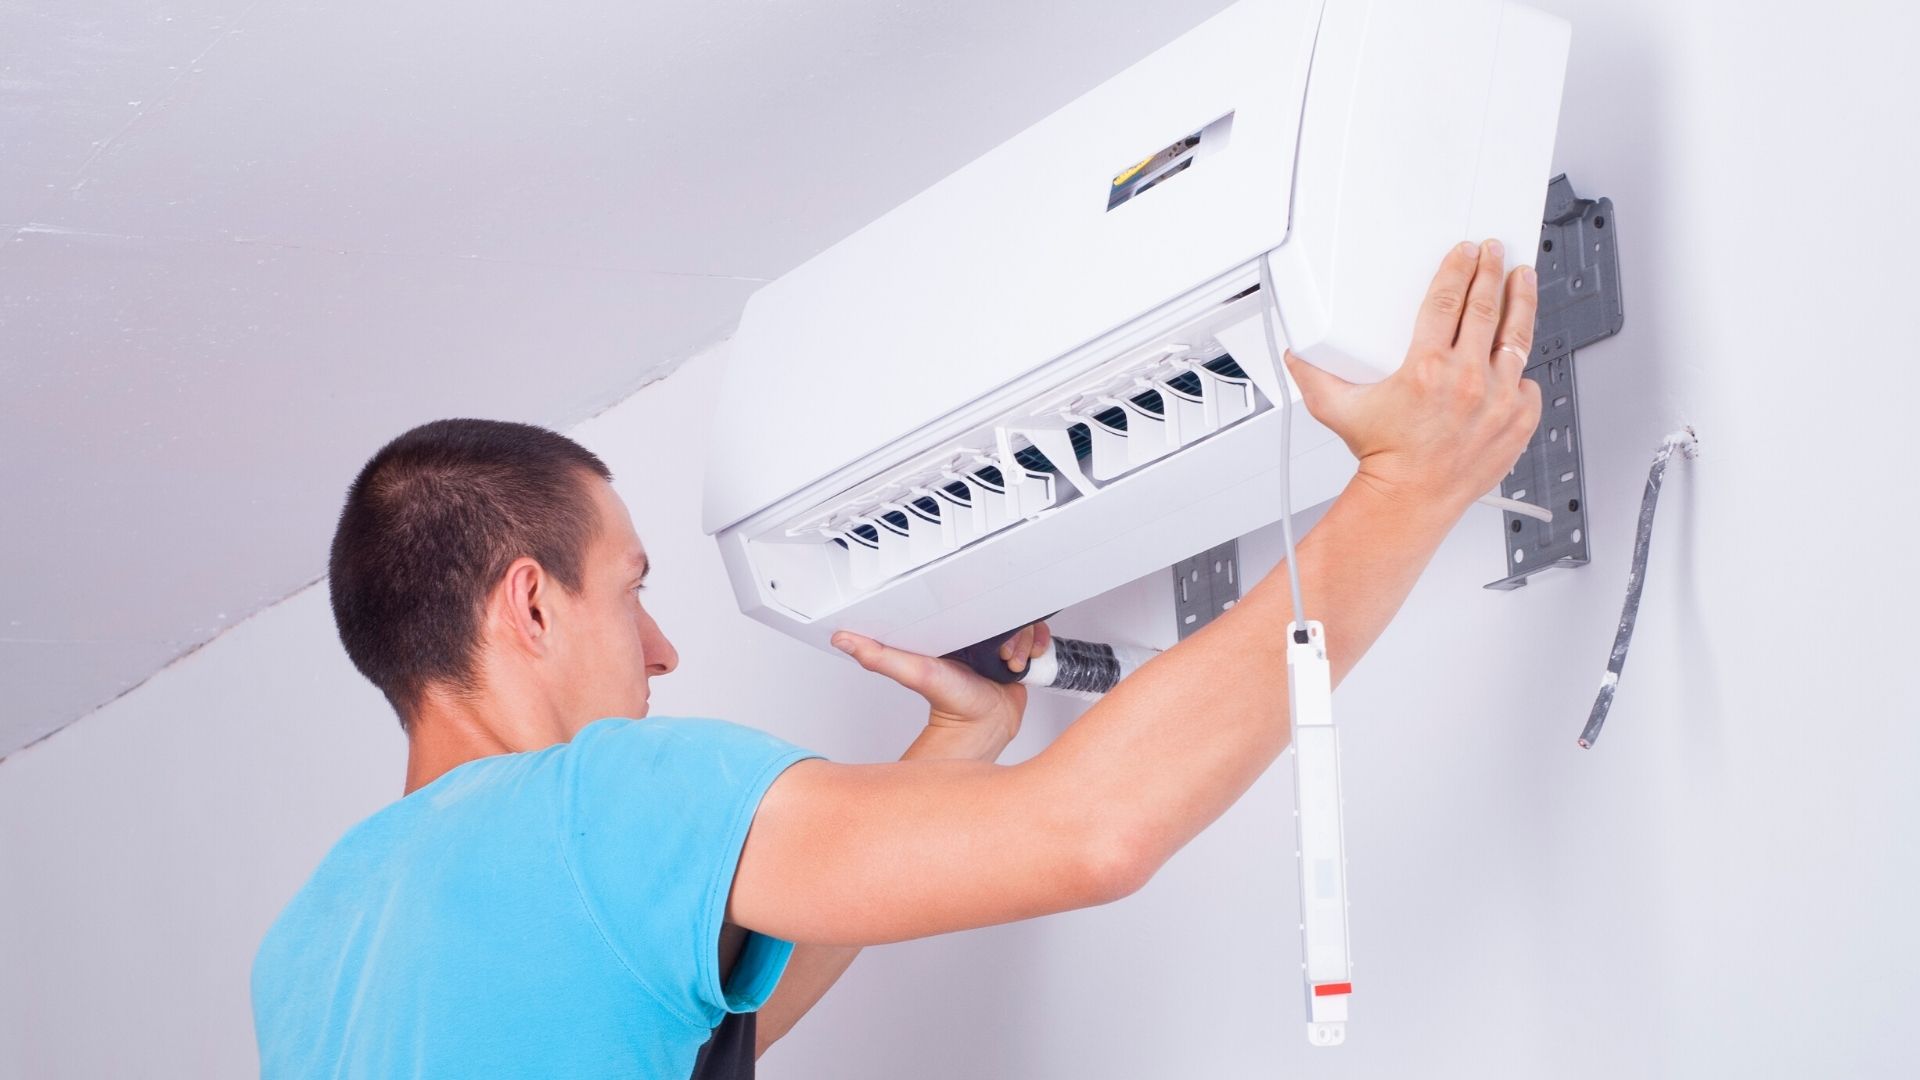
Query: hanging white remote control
(1322, 854)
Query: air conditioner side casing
(1349, 142)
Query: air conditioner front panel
(1427, 122)
(1016, 259)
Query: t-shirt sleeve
(654, 815)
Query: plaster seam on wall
(177, 658)
(658, 373)
(187, 70)
(654, 375)
(84, 641)
(38, 228)
(150, 103)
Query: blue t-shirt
(552, 913)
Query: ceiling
(243, 242)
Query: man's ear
(523, 606)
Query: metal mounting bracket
(1580, 303)
(1205, 585)
(1579, 272)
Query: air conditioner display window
(1167, 162)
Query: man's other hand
(956, 697)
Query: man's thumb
(1322, 390)
(856, 646)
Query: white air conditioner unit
(1046, 375)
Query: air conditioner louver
(1153, 415)
(1120, 418)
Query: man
(563, 892)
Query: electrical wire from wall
(1688, 444)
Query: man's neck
(445, 733)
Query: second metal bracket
(1205, 585)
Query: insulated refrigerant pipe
(1082, 668)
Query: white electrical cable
(1268, 317)
(1515, 506)
(1326, 964)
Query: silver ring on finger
(1518, 353)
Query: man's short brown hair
(429, 528)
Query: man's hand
(1443, 429)
(968, 716)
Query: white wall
(1721, 888)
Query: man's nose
(662, 657)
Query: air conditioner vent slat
(1031, 459)
(1139, 408)
(1082, 440)
(1225, 364)
(875, 539)
(1187, 383)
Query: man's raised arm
(862, 854)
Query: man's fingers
(1481, 316)
(1439, 320)
(931, 677)
(911, 670)
(1513, 347)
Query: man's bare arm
(969, 719)
(813, 969)
(860, 854)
